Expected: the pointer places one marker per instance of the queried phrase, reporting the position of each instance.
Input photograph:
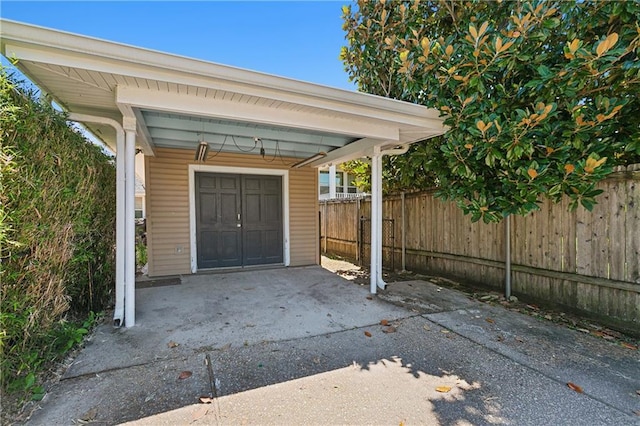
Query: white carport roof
(178, 101)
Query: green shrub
(57, 225)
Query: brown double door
(238, 220)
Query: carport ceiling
(168, 130)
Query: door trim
(193, 168)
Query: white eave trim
(104, 56)
(365, 147)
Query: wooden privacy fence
(587, 261)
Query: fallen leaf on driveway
(490, 320)
(444, 331)
(369, 297)
(629, 346)
(389, 329)
(574, 387)
(427, 328)
(199, 413)
(185, 375)
(384, 322)
(366, 333)
(89, 416)
(637, 412)
(206, 399)
(172, 344)
(443, 389)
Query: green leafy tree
(401, 172)
(541, 98)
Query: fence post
(320, 232)
(357, 218)
(325, 227)
(404, 236)
(507, 269)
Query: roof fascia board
(289, 90)
(358, 149)
(179, 103)
(365, 147)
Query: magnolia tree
(541, 99)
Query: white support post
(376, 222)
(379, 281)
(129, 217)
(332, 182)
(120, 285)
(376, 213)
(374, 228)
(118, 315)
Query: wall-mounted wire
(255, 143)
(224, 142)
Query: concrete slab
(604, 371)
(211, 311)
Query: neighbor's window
(138, 208)
(324, 182)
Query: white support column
(118, 314)
(376, 222)
(120, 285)
(332, 182)
(379, 281)
(373, 285)
(130, 199)
(376, 213)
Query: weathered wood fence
(587, 261)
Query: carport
(230, 155)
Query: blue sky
(300, 40)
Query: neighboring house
(230, 155)
(140, 208)
(334, 183)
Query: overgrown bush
(57, 225)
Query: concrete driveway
(304, 346)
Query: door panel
(238, 220)
(262, 227)
(218, 237)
